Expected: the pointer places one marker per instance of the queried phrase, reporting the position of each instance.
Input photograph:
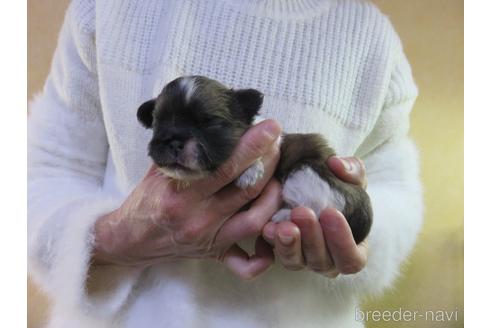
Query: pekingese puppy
(197, 122)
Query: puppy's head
(196, 124)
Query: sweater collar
(281, 8)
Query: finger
(269, 232)
(347, 257)
(251, 222)
(312, 240)
(253, 145)
(288, 246)
(246, 267)
(231, 198)
(349, 169)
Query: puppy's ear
(144, 113)
(249, 101)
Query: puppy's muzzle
(175, 152)
(175, 146)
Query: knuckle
(174, 205)
(189, 234)
(294, 266)
(317, 266)
(351, 268)
(252, 192)
(182, 237)
(254, 147)
(288, 254)
(331, 273)
(252, 224)
(228, 171)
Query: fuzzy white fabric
(325, 66)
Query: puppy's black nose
(175, 145)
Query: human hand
(161, 222)
(325, 246)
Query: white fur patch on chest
(306, 188)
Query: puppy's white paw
(306, 188)
(251, 175)
(281, 215)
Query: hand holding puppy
(203, 139)
(325, 246)
(160, 222)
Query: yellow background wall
(432, 32)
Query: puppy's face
(196, 124)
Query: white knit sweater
(334, 67)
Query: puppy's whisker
(204, 150)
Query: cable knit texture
(326, 66)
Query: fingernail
(286, 240)
(272, 130)
(347, 164)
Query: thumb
(349, 169)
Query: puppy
(197, 122)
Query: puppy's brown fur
(312, 150)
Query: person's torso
(324, 73)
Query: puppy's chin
(182, 174)
(183, 167)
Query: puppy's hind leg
(306, 188)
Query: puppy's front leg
(251, 175)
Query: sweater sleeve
(67, 153)
(394, 186)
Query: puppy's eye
(215, 125)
